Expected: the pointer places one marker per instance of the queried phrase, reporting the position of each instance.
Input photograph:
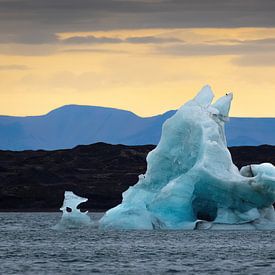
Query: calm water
(28, 245)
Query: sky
(146, 56)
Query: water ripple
(29, 246)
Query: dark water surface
(28, 245)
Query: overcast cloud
(90, 39)
(37, 21)
(241, 47)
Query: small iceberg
(72, 217)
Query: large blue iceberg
(191, 181)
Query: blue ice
(191, 181)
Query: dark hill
(36, 180)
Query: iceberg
(191, 181)
(72, 217)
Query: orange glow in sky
(146, 71)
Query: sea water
(28, 245)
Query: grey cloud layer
(259, 52)
(94, 50)
(255, 60)
(37, 21)
(244, 47)
(113, 40)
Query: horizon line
(114, 108)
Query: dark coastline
(34, 181)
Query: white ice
(191, 181)
(72, 217)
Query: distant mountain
(72, 125)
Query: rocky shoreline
(35, 181)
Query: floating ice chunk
(253, 170)
(72, 201)
(72, 217)
(264, 169)
(191, 181)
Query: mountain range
(72, 125)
